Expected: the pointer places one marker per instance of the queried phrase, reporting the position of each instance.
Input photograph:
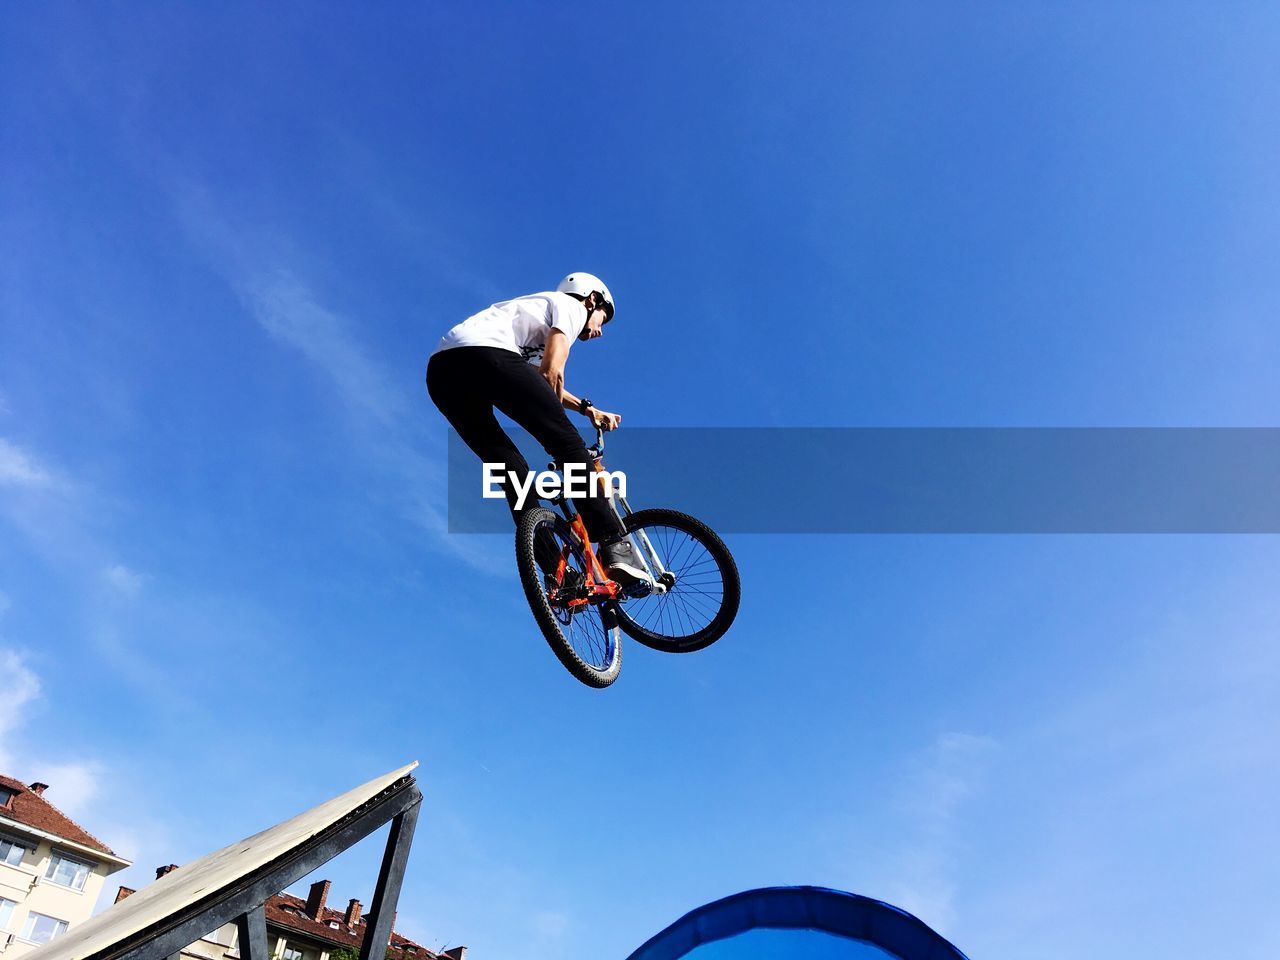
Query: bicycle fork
(657, 571)
(654, 567)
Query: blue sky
(229, 239)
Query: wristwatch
(584, 405)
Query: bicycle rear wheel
(584, 636)
(703, 589)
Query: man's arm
(554, 356)
(602, 418)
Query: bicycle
(693, 602)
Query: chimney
(316, 899)
(39, 788)
(124, 892)
(165, 871)
(352, 916)
(457, 953)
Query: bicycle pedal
(638, 590)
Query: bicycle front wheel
(703, 589)
(583, 635)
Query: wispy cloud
(18, 468)
(78, 786)
(42, 500)
(258, 266)
(550, 924)
(287, 309)
(53, 508)
(59, 515)
(78, 783)
(19, 686)
(122, 581)
(933, 797)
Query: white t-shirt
(521, 325)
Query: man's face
(595, 325)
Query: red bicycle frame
(599, 586)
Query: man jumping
(487, 362)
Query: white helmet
(584, 284)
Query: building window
(42, 929)
(290, 953)
(6, 911)
(11, 852)
(6, 796)
(66, 872)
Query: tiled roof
(35, 811)
(286, 910)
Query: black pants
(467, 383)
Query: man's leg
(528, 399)
(460, 386)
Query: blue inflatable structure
(835, 912)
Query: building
(51, 869)
(307, 929)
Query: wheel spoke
(582, 627)
(697, 595)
